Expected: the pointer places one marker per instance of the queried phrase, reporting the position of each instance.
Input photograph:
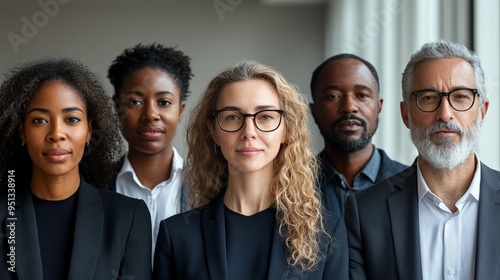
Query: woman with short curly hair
(151, 85)
(60, 143)
(251, 181)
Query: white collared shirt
(163, 200)
(448, 240)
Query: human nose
(56, 132)
(150, 112)
(348, 105)
(249, 129)
(445, 111)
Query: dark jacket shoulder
(388, 167)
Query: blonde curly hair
(296, 198)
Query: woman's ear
(211, 129)
(181, 110)
(20, 129)
(89, 132)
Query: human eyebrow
(42, 110)
(331, 87)
(364, 87)
(258, 108)
(71, 109)
(164, 93)
(47, 111)
(230, 108)
(134, 92)
(265, 107)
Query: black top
(56, 224)
(248, 243)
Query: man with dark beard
(345, 90)
(438, 219)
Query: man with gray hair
(439, 218)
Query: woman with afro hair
(150, 89)
(59, 146)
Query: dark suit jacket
(112, 237)
(191, 245)
(383, 230)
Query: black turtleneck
(56, 225)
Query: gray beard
(445, 155)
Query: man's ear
(380, 103)
(404, 113)
(312, 107)
(484, 108)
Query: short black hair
(155, 56)
(22, 83)
(317, 71)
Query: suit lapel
(487, 250)
(403, 211)
(28, 258)
(278, 265)
(214, 238)
(89, 224)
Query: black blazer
(191, 245)
(112, 237)
(383, 230)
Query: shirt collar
(177, 165)
(474, 189)
(370, 170)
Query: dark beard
(354, 145)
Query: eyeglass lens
(459, 99)
(266, 120)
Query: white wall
(289, 38)
(487, 46)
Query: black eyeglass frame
(447, 94)
(216, 115)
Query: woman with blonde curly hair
(256, 212)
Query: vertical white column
(487, 46)
(384, 32)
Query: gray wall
(290, 38)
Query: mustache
(349, 117)
(445, 125)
